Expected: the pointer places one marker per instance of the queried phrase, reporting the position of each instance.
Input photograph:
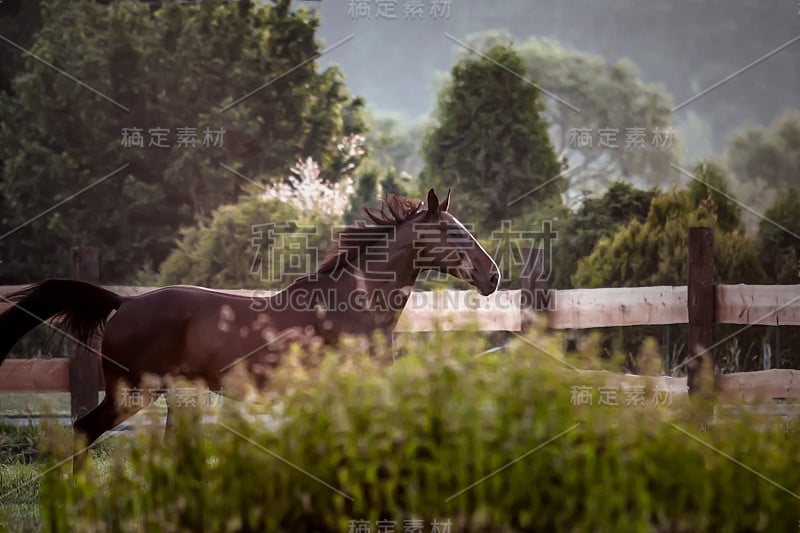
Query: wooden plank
(754, 387)
(769, 305)
(592, 308)
(738, 388)
(672, 385)
(35, 375)
(453, 310)
(700, 362)
(84, 368)
(608, 307)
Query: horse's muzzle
(486, 282)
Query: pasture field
(513, 440)
(20, 507)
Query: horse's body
(198, 333)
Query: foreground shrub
(495, 442)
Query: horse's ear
(433, 203)
(444, 205)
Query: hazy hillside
(688, 45)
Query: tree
(393, 144)
(772, 155)
(266, 239)
(225, 252)
(779, 240)
(588, 95)
(764, 162)
(654, 252)
(19, 22)
(489, 141)
(779, 250)
(172, 67)
(596, 219)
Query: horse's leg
(91, 425)
(195, 399)
(105, 416)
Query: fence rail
(453, 310)
(770, 305)
(700, 304)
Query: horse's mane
(393, 211)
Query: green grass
(492, 443)
(19, 496)
(20, 509)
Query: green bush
(492, 443)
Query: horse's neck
(382, 282)
(396, 274)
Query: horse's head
(444, 244)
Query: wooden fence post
(701, 304)
(535, 294)
(84, 368)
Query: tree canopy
(765, 162)
(779, 240)
(596, 219)
(267, 238)
(602, 116)
(654, 252)
(489, 140)
(229, 90)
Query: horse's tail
(82, 307)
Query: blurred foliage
(654, 252)
(768, 155)
(230, 66)
(249, 245)
(507, 244)
(221, 253)
(778, 244)
(395, 144)
(491, 443)
(609, 96)
(778, 239)
(596, 219)
(19, 22)
(374, 181)
(489, 141)
(265, 240)
(764, 162)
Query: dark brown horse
(360, 288)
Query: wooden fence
(700, 304)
